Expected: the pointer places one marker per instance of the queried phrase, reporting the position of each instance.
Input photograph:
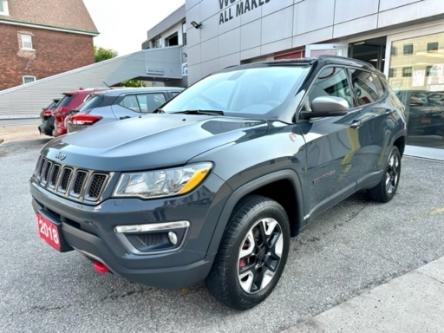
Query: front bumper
(91, 230)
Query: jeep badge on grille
(60, 156)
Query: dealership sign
(229, 12)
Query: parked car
(118, 104)
(425, 110)
(70, 101)
(47, 125)
(214, 187)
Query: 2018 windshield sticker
(244, 6)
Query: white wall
(279, 25)
(27, 100)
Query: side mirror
(327, 106)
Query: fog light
(172, 237)
(153, 238)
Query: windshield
(92, 102)
(246, 92)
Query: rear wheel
(252, 254)
(386, 189)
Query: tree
(102, 54)
(134, 83)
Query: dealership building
(402, 38)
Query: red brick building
(40, 38)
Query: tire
(386, 189)
(243, 256)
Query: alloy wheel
(260, 255)
(392, 173)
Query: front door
(331, 143)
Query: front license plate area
(50, 232)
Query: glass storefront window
(416, 73)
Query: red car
(70, 101)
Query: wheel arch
(289, 196)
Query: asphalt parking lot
(353, 247)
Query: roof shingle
(65, 14)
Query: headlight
(162, 183)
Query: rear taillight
(84, 119)
(46, 113)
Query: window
(367, 87)
(150, 102)
(28, 79)
(332, 81)
(172, 40)
(65, 100)
(130, 102)
(432, 47)
(4, 10)
(420, 81)
(392, 72)
(250, 92)
(408, 49)
(25, 41)
(94, 101)
(407, 71)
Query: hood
(149, 142)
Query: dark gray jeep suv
(213, 186)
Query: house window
(432, 47)
(26, 41)
(408, 49)
(407, 71)
(392, 72)
(28, 79)
(4, 10)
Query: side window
(367, 86)
(331, 81)
(130, 102)
(150, 102)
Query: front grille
(54, 175)
(96, 186)
(78, 184)
(66, 177)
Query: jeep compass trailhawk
(213, 185)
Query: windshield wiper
(205, 112)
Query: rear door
(368, 127)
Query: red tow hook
(100, 268)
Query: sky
(123, 24)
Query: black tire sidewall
(263, 209)
(393, 151)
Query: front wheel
(386, 189)
(252, 254)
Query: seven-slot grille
(75, 183)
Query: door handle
(126, 117)
(355, 124)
